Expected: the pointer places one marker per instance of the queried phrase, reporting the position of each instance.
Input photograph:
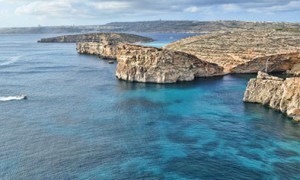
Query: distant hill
(154, 26)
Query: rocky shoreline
(277, 93)
(214, 55)
(217, 54)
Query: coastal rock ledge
(280, 94)
(157, 65)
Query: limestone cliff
(107, 44)
(149, 64)
(280, 94)
(104, 50)
(270, 63)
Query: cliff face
(201, 56)
(245, 51)
(149, 64)
(97, 37)
(106, 51)
(273, 63)
(277, 93)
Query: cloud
(2, 13)
(111, 5)
(192, 9)
(42, 8)
(291, 6)
(102, 11)
(230, 7)
(96, 8)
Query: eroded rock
(106, 45)
(104, 50)
(295, 70)
(149, 64)
(277, 93)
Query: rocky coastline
(222, 53)
(214, 55)
(277, 93)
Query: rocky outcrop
(273, 63)
(107, 44)
(97, 37)
(280, 94)
(156, 65)
(247, 51)
(295, 70)
(103, 50)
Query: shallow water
(80, 122)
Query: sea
(80, 122)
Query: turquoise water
(80, 122)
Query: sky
(24, 13)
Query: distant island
(97, 37)
(154, 26)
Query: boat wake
(11, 60)
(13, 98)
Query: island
(108, 38)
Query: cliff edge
(277, 93)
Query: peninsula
(242, 51)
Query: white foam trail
(11, 60)
(11, 98)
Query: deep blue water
(80, 122)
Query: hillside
(245, 51)
(155, 26)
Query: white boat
(11, 98)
